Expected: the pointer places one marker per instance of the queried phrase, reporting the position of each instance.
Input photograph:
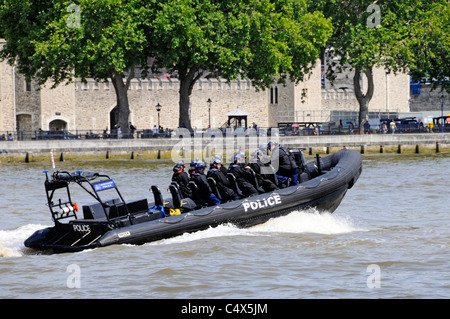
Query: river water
(388, 239)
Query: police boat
(323, 184)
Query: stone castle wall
(391, 93)
(96, 100)
(87, 106)
(429, 100)
(6, 95)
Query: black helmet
(200, 164)
(178, 166)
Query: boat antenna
(53, 160)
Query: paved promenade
(164, 145)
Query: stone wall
(429, 100)
(6, 96)
(95, 101)
(308, 98)
(28, 104)
(391, 93)
(291, 101)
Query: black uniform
(205, 192)
(223, 185)
(243, 176)
(287, 168)
(182, 178)
(266, 180)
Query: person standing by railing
(132, 130)
(393, 126)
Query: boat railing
(112, 210)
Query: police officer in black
(206, 195)
(284, 162)
(242, 171)
(182, 179)
(223, 185)
(223, 168)
(265, 173)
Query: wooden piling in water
(438, 147)
(399, 148)
(417, 149)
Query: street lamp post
(158, 109)
(442, 113)
(209, 112)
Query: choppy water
(388, 239)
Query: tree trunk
(187, 78)
(363, 99)
(123, 107)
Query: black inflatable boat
(323, 184)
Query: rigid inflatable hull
(324, 193)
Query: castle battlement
(90, 104)
(155, 84)
(337, 94)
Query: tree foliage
(58, 40)
(262, 40)
(387, 34)
(431, 46)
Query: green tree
(370, 34)
(431, 46)
(59, 40)
(262, 40)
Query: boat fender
(175, 211)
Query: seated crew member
(182, 179)
(242, 171)
(192, 166)
(222, 167)
(223, 185)
(205, 192)
(284, 162)
(265, 173)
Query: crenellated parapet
(155, 84)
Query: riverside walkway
(156, 147)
